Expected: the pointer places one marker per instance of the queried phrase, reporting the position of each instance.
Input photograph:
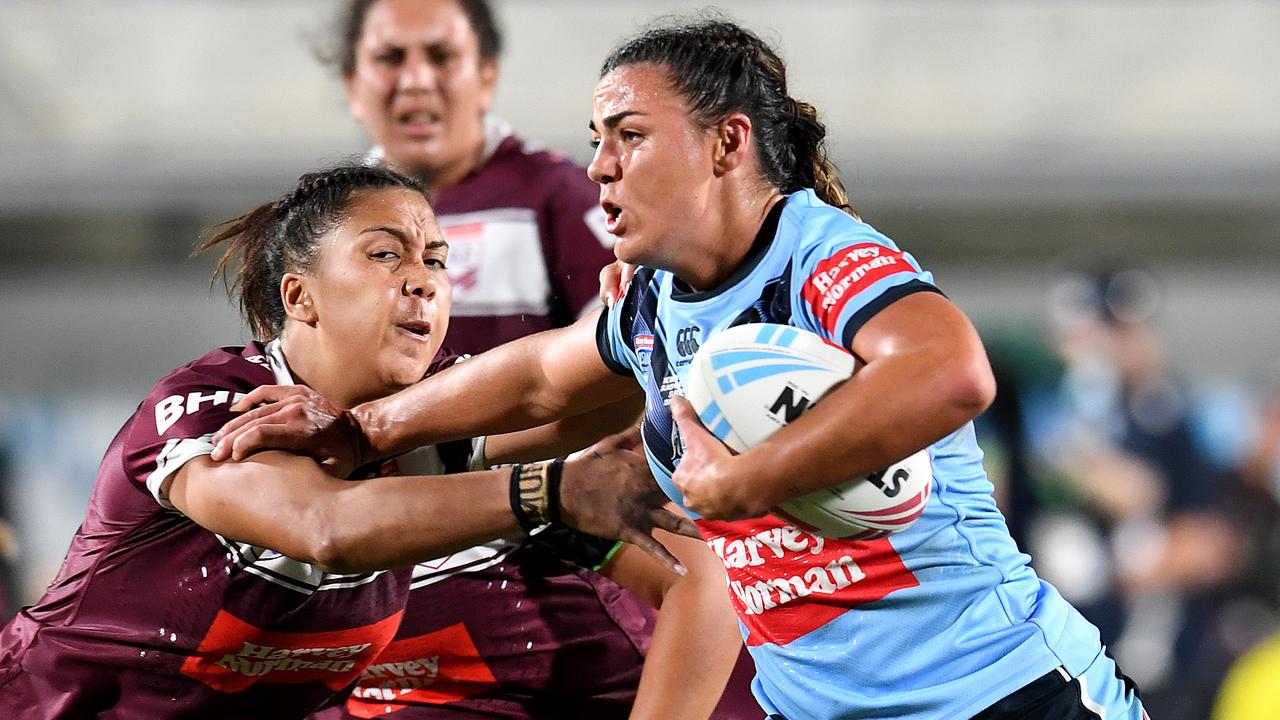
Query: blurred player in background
(526, 235)
(202, 590)
(1146, 538)
(716, 182)
(527, 243)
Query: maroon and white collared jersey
(152, 616)
(526, 244)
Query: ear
(488, 81)
(353, 105)
(732, 146)
(298, 304)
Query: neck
(436, 179)
(730, 232)
(312, 366)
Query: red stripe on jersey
(235, 655)
(786, 582)
(435, 668)
(840, 277)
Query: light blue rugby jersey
(937, 621)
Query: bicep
(931, 333)
(273, 500)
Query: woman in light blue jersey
(716, 184)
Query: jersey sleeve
(846, 274)
(622, 351)
(175, 424)
(577, 246)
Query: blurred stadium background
(1001, 142)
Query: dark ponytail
(284, 236)
(720, 68)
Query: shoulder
(815, 225)
(212, 382)
(543, 167)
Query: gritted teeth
(419, 116)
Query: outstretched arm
(925, 375)
(289, 504)
(523, 384)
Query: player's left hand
(710, 476)
(614, 280)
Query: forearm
(883, 414)
(288, 504)
(520, 385)
(565, 436)
(676, 682)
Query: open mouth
(612, 217)
(419, 121)
(419, 329)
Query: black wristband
(554, 471)
(530, 494)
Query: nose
(421, 282)
(416, 74)
(604, 167)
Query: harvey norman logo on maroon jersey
(786, 582)
(235, 654)
(434, 668)
(839, 278)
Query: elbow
(972, 387)
(332, 547)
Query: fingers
(610, 282)
(659, 552)
(251, 440)
(682, 412)
(624, 282)
(266, 394)
(675, 523)
(255, 415)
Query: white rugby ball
(747, 381)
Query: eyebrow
(399, 234)
(613, 120)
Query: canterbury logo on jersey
(786, 582)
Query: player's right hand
(296, 419)
(609, 491)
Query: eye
(629, 135)
(432, 262)
(389, 56)
(594, 143)
(385, 255)
(440, 55)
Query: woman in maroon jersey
(527, 243)
(199, 589)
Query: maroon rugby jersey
(152, 616)
(526, 244)
(514, 628)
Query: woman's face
(378, 291)
(654, 165)
(420, 87)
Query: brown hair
(284, 236)
(721, 68)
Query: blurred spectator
(1133, 533)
